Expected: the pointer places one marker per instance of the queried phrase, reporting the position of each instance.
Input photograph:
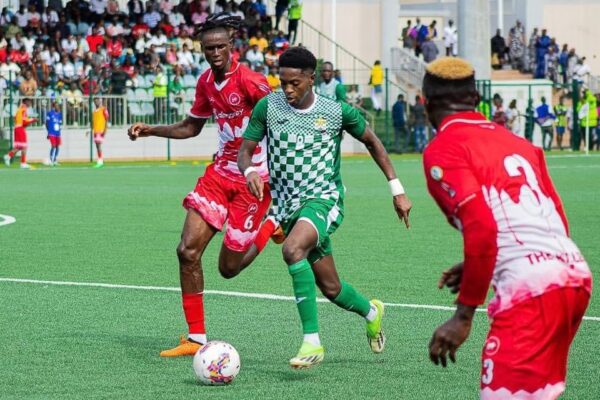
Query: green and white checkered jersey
(332, 90)
(303, 148)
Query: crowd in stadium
(97, 47)
(541, 55)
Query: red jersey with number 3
(231, 102)
(472, 157)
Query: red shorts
(20, 142)
(54, 141)
(525, 354)
(219, 199)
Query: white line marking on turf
(265, 296)
(6, 220)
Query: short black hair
(222, 20)
(298, 57)
(328, 63)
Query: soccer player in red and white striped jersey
(495, 188)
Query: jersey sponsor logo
(492, 345)
(437, 173)
(253, 208)
(235, 114)
(234, 99)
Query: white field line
(265, 296)
(6, 220)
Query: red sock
(193, 308)
(11, 154)
(264, 233)
(23, 158)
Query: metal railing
(408, 68)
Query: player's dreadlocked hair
(450, 80)
(298, 57)
(222, 20)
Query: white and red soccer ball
(216, 363)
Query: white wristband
(249, 170)
(396, 187)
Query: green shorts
(325, 216)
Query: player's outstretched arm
(253, 180)
(187, 128)
(402, 204)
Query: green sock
(305, 291)
(349, 299)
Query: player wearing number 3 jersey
(495, 188)
(228, 92)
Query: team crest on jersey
(234, 99)
(252, 208)
(321, 124)
(437, 173)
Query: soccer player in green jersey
(329, 86)
(304, 132)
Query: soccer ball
(216, 363)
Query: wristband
(248, 171)
(396, 187)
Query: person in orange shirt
(99, 126)
(20, 142)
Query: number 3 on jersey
(488, 371)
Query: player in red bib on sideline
(495, 188)
(228, 92)
(20, 143)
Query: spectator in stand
(74, 99)
(499, 50)
(273, 79)
(280, 41)
(22, 18)
(432, 30)
(422, 32)
(294, 16)
(65, 70)
(531, 51)
(541, 49)
(186, 60)
(260, 8)
(118, 79)
(255, 57)
(563, 62)
(450, 39)
(171, 55)
(551, 62)
(516, 44)
(271, 56)
(408, 41)
(98, 9)
(28, 85)
(399, 122)
(280, 8)
(259, 40)
(581, 70)
(498, 114)
(136, 9)
(94, 40)
(429, 50)
(152, 18)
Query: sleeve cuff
(191, 114)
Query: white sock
(198, 337)
(372, 314)
(312, 338)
